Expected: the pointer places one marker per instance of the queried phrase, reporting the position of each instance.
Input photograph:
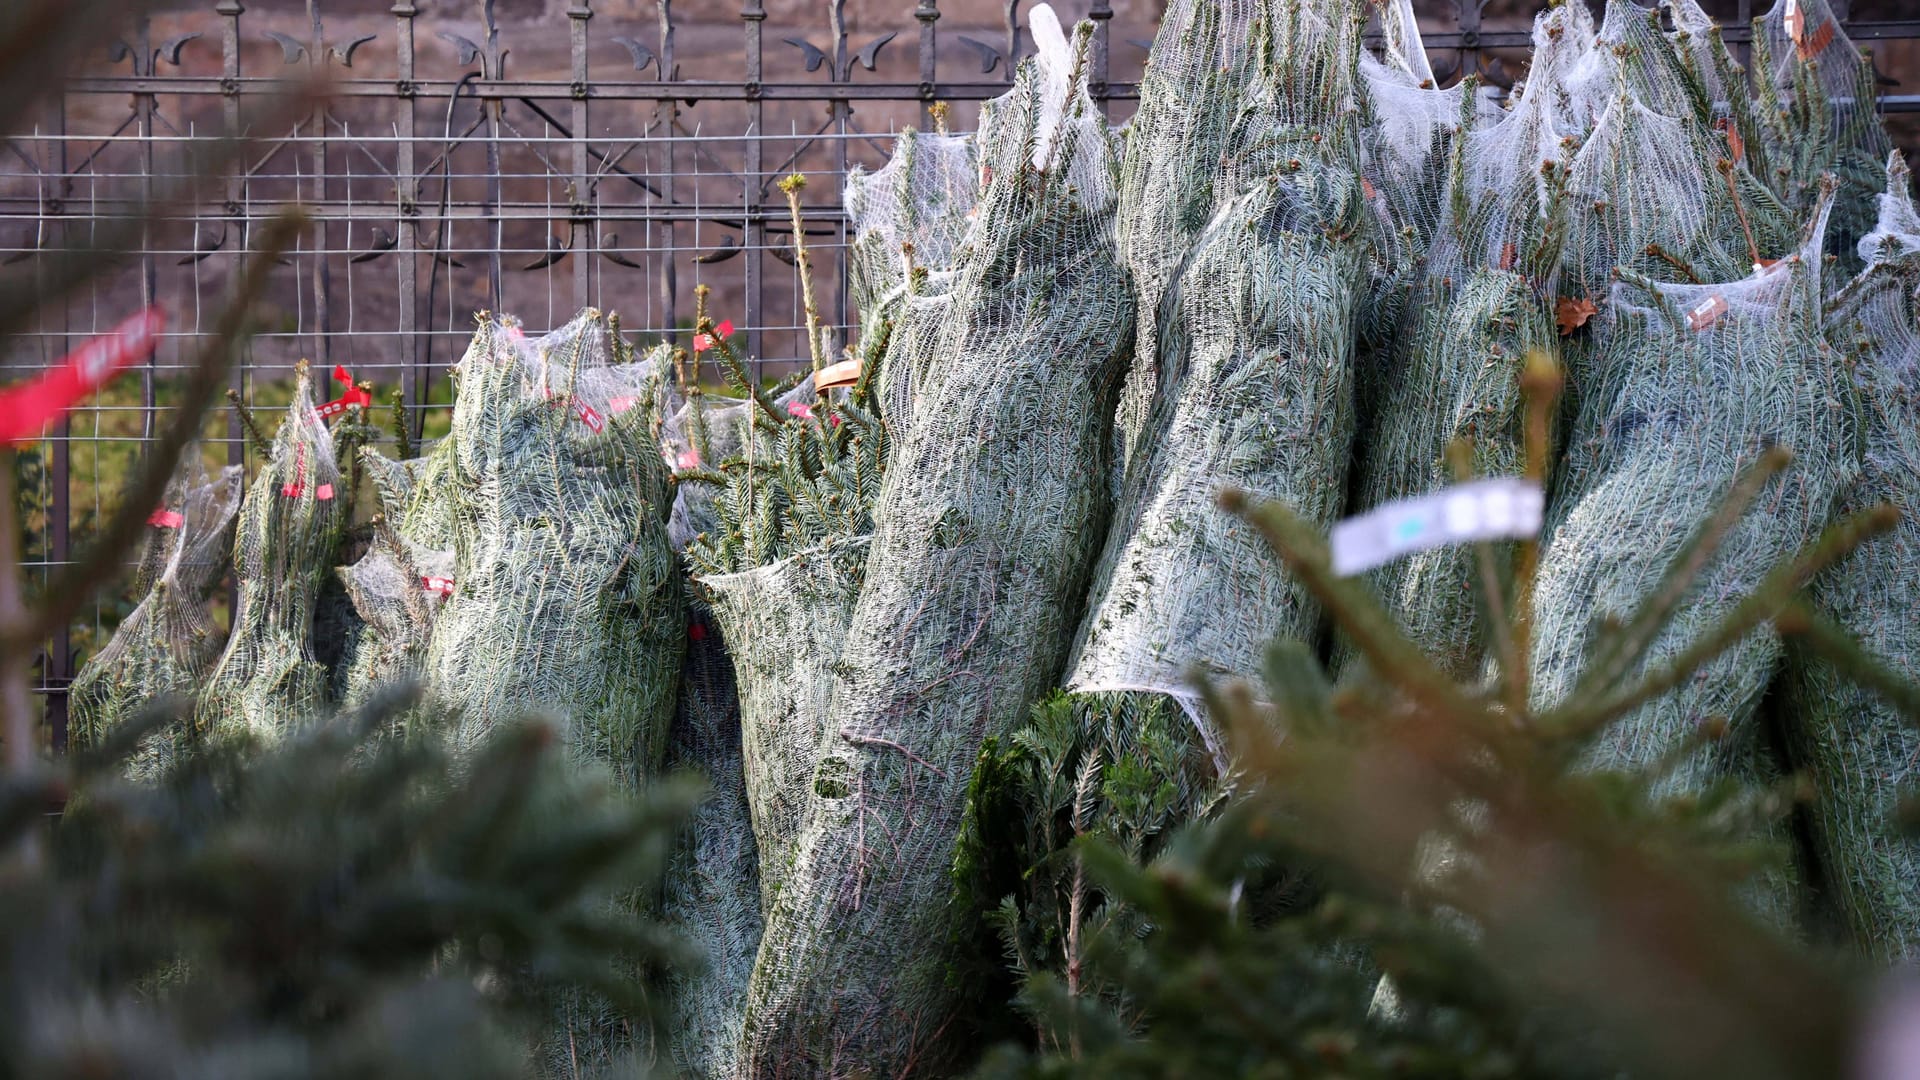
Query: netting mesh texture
(984, 536)
(1253, 375)
(1695, 382)
(1479, 306)
(1858, 749)
(291, 522)
(166, 645)
(566, 595)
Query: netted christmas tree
(165, 646)
(980, 551)
(1190, 94)
(398, 586)
(1254, 384)
(1702, 390)
(794, 489)
(1856, 745)
(566, 596)
(909, 219)
(1408, 127)
(269, 679)
(712, 891)
(1482, 304)
(1815, 112)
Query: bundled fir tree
(566, 597)
(166, 645)
(1483, 302)
(270, 678)
(1856, 745)
(1254, 375)
(981, 545)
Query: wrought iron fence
(529, 161)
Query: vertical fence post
(493, 70)
(59, 668)
(322, 284)
(928, 13)
(1102, 16)
(752, 184)
(145, 104)
(668, 111)
(413, 384)
(579, 196)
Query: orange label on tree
(1706, 312)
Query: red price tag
(166, 519)
(703, 342)
(589, 417)
(26, 411)
(440, 585)
(353, 396)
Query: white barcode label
(1504, 508)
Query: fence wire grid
(530, 157)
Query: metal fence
(526, 161)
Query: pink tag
(688, 459)
(795, 408)
(166, 519)
(441, 585)
(620, 404)
(703, 342)
(292, 491)
(589, 417)
(323, 492)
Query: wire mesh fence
(532, 157)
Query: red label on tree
(703, 342)
(166, 519)
(589, 417)
(688, 459)
(353, 396)
(440, 585)
(26, 411)
(620, 404)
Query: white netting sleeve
(566, 595)
(1480, 306)
(290, 525)
(1696, 382)
(984, 536)
(166, 644)
(1859, 750)
(1255, 385)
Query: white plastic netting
(1481, 305)
(1255, 380)
(290, 526)
(1858, 749)
(984, 535)
(712, 891)
(785, 624)
(398, 585)
(1695, 383)
(566, 595)
(909, 219)
(1814, 107)
(913, 212)
(1407, 135)
(1190, 94)
(166, 644)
